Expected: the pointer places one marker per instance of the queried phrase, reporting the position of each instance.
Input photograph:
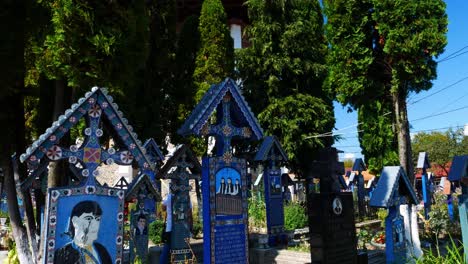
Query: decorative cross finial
(225, 130)
(90, 153)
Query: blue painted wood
(458, 168)
(389, 189)
(225, 216)
(274, 205)
(242, 114)
(359, 165)
(463, 209)
(207, 207)
(180, 168)
(426, 194)
(395, 248)
(95, 105)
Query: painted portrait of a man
(83, 229)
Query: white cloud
(466, 130)
(349, 156)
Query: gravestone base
(332, 231)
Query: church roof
(423, 161)
(392, 186)
(241, 113)
(270, 144)
(78, 110)
(459, 168)
(190, 159)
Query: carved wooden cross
(90, 153)
(225, 130)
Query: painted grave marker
(180, 168)
(423, 164)
(359, 166)
(143, 191)
(393, 190)
(459, 172)
(272, 155)
(224, 177)
(85, 222)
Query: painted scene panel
(85, 228)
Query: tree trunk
(403, 135)
(20, 173)
(18, 230)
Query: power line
(438, 114)
(443, 89)
(451, 58)
(453, 54)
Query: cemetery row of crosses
(216, 201)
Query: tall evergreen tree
(184, 92)
(215, 58)
(385, 49)
(153, 96)
(376, 137)
(283, 71)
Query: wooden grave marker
(393, 190)
(272, 155)
(224, 177)
(459, 172)
(180, 168)
(86, 216)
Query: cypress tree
(283, 71)
(215, 58)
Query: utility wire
(443, 89)
(438, 114)
(453, 54)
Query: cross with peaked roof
(394, 188)
(225, 130)
(271, 150)
(182, 165)
(234, 117)
(153, 151)
(423, 161)
(359, 165)
(93, 106)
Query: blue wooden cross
(359, 166)
(459, 172)
(90, 153)
(181, 168)
(224, 131)
(423, 163)
(272, 154)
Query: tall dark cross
(181, 208)
(90, 153)
(225, 130)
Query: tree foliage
(440, 147)
(215, 58)
(376, 136)
(384, 50)
(283, 71)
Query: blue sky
(449, 92)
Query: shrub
(295, 216)
(197, 224)
(454, 255)
(155, 231)
(257, 212)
